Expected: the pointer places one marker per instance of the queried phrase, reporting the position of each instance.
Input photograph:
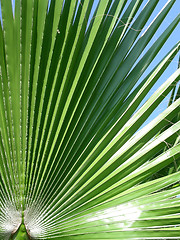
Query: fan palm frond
(76, 160)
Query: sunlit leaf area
(86, 150)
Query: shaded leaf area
(20, 234)
(75, 161)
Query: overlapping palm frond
(75, 161)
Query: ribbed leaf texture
(76, 160)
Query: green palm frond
(76, 160)
(175, 165)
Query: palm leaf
(76, 160)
